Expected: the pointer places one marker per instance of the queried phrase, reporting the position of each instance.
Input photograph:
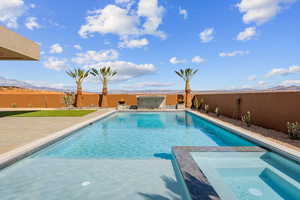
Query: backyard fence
(268, 109)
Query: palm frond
(78, 74)
(186, 74)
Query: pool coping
(252, 136)
(196, 182)
(10, 157)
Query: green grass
(46, 113)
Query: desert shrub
(206, 108)
(29, 105)
(13, 105)
(246, 118)
(217, 111)
(201, 103)
(195, 103)
(69, 100)
(293, 130)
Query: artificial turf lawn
(46, 113)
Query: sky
(234, 44)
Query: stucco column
(78, 95)
(77, 99)
(104, 100)
(188, 98)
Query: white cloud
(92, 57)
(134, 43)
(31, 23)
(175, 60)
(284, 71)
(262, 83)
(122, 1)
(290, 82)
(32, 5)
(77, 46)
(197, 59)
(183, 12)
(233, 53)
(261, 11)
(111, 19)
(146, 85)
(252, 78)
(207, 35)
(125, 21)
(247, 34)
(127, 70)
(153, 14)
(56, 48)
(10, 11)
(56, 64)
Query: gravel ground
(276, 136)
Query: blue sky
(234, 44)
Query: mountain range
(62, 88)
(28, 85)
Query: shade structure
(16, 47)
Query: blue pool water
(142, 135)
(250, 175)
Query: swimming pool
(123, 156)
(142, 135)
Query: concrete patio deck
(18, 131)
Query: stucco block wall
(269, 109)
(88, 100)
(171, 99)
(31, 100)
(113, 99)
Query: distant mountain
(284, 88)
(146, 91)
(62, 88)
(13, 82)
(277, 88)
(23, 84)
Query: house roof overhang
(16, 47)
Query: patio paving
(113, 179)
(18, 131)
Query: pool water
(123, 156)
(250, 175)
(141, 135)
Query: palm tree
(104, 74)
(79, 75)
(186, 75)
